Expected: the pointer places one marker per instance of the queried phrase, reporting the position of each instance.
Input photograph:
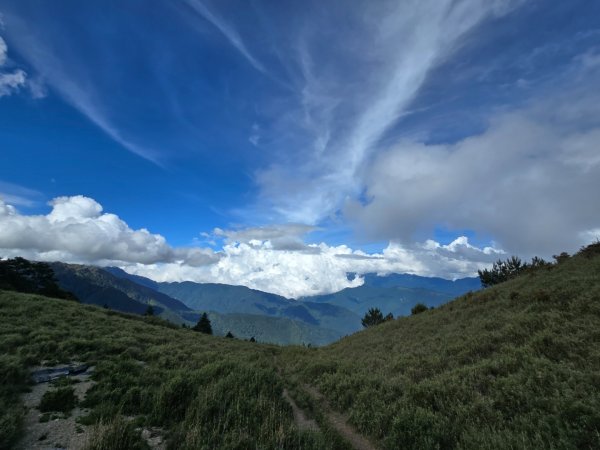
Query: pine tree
(229, 335)
(149, 311)
(372, 318)
(203, 325)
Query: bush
(58, 400)
(591, 250)
(418, 308)
(503, 271)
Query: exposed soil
(154, 438)
(300, 419)
(59, 432)
(340, 422)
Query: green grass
(206, 392)
(514, 366)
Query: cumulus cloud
(530, 180)
(299, 273)
(76, 230)
(278, 237)
(10, 81)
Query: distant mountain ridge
(340, 311)
(246, 312)
(227, 299)
(453, 287)
(397, 293)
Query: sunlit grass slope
(204, 391)
(514, 366)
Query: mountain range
(248, 313)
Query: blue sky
(269, 137)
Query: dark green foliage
(58, 400)
(229, 335)
(203, 325)
(149, 311)
(503, 271)
(389, 316)
(19, 274)
(372, 317)
(418, 308)
(564, 256)
(590, 251)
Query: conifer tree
(203, 325)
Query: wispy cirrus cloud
(354, 89)
(10, 80)
(227, 30)
(18, 195)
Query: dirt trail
(340, 422)
(300, 419)
(337, 420)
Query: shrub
(418, 308)
(60, 400)
(564, 256)
(503, 271)
(591, 250)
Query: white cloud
(10, 82)
(228, 31)
(353, 90)
(3, 51)
(76, 230)
(279, 237)
(18, 195)
(530, 180)
(272, 259)
(296, 273)
(71, 81)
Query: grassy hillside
(514, 366)
(95, 286)
(117, 290)
(203, 391)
